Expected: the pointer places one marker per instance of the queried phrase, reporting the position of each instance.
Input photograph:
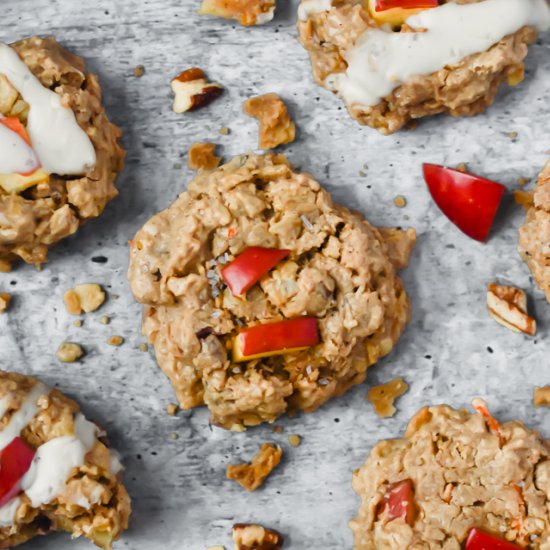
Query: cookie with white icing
(59, 153)
(56, 471)
(393, 66)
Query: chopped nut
(5, 300)
(251, 476)
(84, 298)
(541, 397)
(172, 409)
(294, 440)
(69, 352)
(524, 198)
(139, 71)
(400, 201)
(246, 12)
(202, 157)
(249, 536)
(115, 341)
(143, 347)
(224, 131)
(508, 306)
(383, 397)
(192, 91)
(276, 126)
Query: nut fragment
(69, 352)
(5, 299)
(383, 397)
(86, 297)
(192, 91)
(276, 126)
(250, 536)
(202, 157)
(541, 397)
(246, 12)
(508, 306)
(251, 476)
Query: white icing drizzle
(59, 142)
(381, 60)
(309, 7)
(4, 405)
(8, 511)
(23, 416)
(15, 153)
(55, 460)
(265, 17)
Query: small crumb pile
(84, 298)
(383, 397)
(202, 157)
(251, 476)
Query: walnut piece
(249, 536)
(246, 12)
(5, 299)
(84, 298)
(193, 91)
(68, 352)
(383, 397)
(276, 126)
(251, 476)
(508, 306)
(541, 397)
(202, 157)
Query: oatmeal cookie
(534, 236)
(454, 475)
(430, 62)
(57, 474)
(334, 278)
(39, 209)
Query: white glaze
(23, 416)
(382, 60)
(60, 144)
(265, 17)
(15, 153)
(55, 460)
(4, 404)
(8, 511)
(309, 7)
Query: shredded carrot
(231, 233)
(481, 407)
(519, 523)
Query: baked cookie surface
(37, 214)
(339, 270)
(386, 83)
(463, 472)
(73, 482)
(534, 236)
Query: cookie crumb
(525, 199)
(277, 429)
(84, 298)
(115, 341)
(5, 300)
(105, 320)
(143, 347)
(523, 181)
(462, 167)
(174, 436)
(247, 536)
(512, 135)
(252, 475)
(139, 71)
(276, 126)
(78, 323)
(294, 440)
(225, 131)
(382, 397)
(362, 174)
(541, 396)
(172, 409)
(69, 352)
(202, 157)
(216, 548)
(247, 13)
(400, 201)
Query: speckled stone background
(451, 352)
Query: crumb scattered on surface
(512, 135)
(174, 436)
(202, 156)
(524, 198)
(382, 397)
(362, 174)
(507, 305)
(541, 396)
(105, 320)
(172, 409)
(249, 536)
(294, 440)
(115, 341)
(69, 352)
(5, 300)
(247, 12)
(523, 181)
(143, 347)
(276, 126)
(400, 201)
(84, 298)
(251, 476)
(78, 323)
(277, 429)
(139, 71)
(193, 91)
(216, 548)
(225, 131)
